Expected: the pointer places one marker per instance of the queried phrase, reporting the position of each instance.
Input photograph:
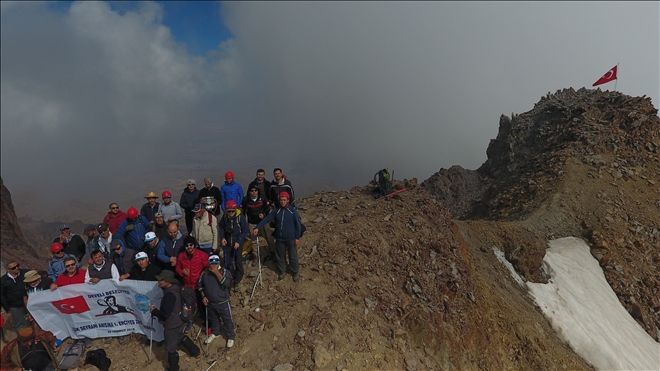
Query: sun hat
(167, 275)
(31, 276)
(151, 195)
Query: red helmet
(56, 247)
(166, 193)
(231, 205)
(229, 175)
(132, 213)
(284, 194)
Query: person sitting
(122, 259)
(56, 264)
(143, 270)
(101, 269)
(33, 349)
(34, 282)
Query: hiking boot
(296, 277)
(230, 343)
(210, 339)
(281, 276)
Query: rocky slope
(411, 282)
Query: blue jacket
(134, 239)
(287, 223)
(189, 199)
(56, 267)
(170, 248)
(232, 191)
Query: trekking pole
(151, 339)
(261, 281)
(68, 350)
(212, 364)
(207, 330)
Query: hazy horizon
(101, 104)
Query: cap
(197, 208)
(25, 334)
(167, 275)
(64, 226)
(56, 247)
(208, 179)
(150, 236)
(31, 276)
(89, 228)
(151, 195)
(102, 227)
(284, 194)
(254, 187)
(158, 214)
(191, 181)
(214, 257)
(140, 255)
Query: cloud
(101, 105)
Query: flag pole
(617, 76)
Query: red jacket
(114, 221)
(63, 279)
(196, 264)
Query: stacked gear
(383, 180)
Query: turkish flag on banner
(609, 76)
(76, 304)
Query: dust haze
(101, 106)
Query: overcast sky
(104, 103)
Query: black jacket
(263, 188)
(213, 192)
(189, 199)
(253, 208)
(275, 190)
(12, 292)
(75, 247)
(148, 274)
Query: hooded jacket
(287, 223)
(133, 231)
(232, 191)
(114, 221)
(189, 198)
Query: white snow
(585, 312)
(500, 256)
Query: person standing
(189, 198)
(168, 316)
(12, 291)
(101, 242)
(189, 266)
(114, 218)
(160, 226)
(277, 186)
(149, 209)
(210, 190)
(261, 183)
(256, 208)
(214, 286)
(172, 246)
(34, 282)
(73, 243)
(133, 229)
(287, 235)
(231, 191)
(171, 210)
(205, 229)
(233, 230)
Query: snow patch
(500, 256)
(585, 312)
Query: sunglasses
(117, 249)
(254, 190)
(214, 261)
(14, 267)
(190, 245)
(114, 208)
(231, 211)
(59, 252)
(70, 265)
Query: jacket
(124, 261)
(133, 237)
(149, 274)
(275, 190)
(149, 212)
(170, 248)
(152, 252)
(232, 191)
(196, 264)
(263, 187)
(75, 246)
(114, 221)
(12, 290)
(10, 358)
(216, 291)
(99, 244)
(56, 267)
(204, 231)
(233, 229)
(159, 229)
(64, 279)
(252, 208)
(172, 210)
(287, 223)
(189, 199)
(170, 307)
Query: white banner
(104, 309)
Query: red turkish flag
(609, 76)
(76, 304)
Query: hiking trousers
(173, 337)
(282, 248)
(234, 262)
(222, 312)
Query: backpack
(382, 178)
(75, 351)
(188, 304)
(99, 359)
